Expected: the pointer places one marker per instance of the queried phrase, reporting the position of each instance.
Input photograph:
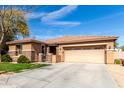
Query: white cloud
(51, 18)
(59, 13)
(64, 23)
(35, 15)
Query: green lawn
(9, 67)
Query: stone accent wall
(31, 55)
(53, 59)
(58, 58)
(28, 54)
(112, 55)
(33, 58)
(109, 57)
(15, 58)
(12, 53)
(49, 57)
(40, 59)
(33, 50)
(30, 50)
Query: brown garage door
(86, 56)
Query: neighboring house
(87, 49)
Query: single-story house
(87, 49)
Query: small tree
(116, 44)
(13, 23)
(122, 48)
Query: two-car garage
(83, 49)
(86, 55)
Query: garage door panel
(88, 56)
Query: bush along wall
(23, 59)
(117, 61)
(6, 58)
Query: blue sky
(56, 21)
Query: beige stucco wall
(111, 44)
(110, 57)
(109, 52)
(53, 58)
(30, 50)
(34, 49)
(26, 47)
(12, 47)
(37, 49)
(12, 52)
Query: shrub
(23, 59)
(122, 48)
(117, 61)
(6, 58)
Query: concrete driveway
(62, 75)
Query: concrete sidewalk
(62, 75)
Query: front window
(18, 49)
(53, 50)
(43, 49)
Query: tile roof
(73, 39)
(65, 39)
(25, 40)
